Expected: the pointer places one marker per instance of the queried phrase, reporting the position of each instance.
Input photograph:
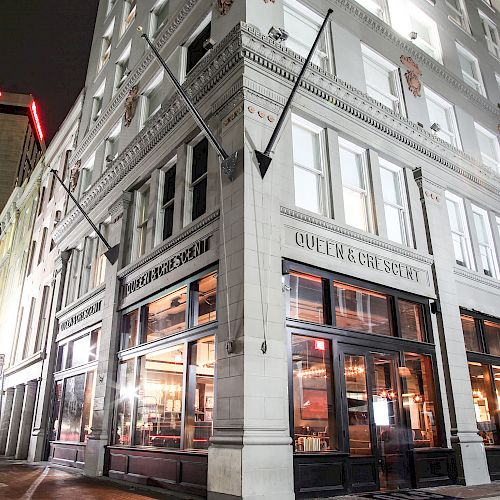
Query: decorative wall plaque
(224, 6)
(412, 75)
(131, 105)
(74, 175)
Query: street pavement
(21, 481)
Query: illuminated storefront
(164, 403)
(364, 385)
(482, 341)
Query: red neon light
(0, 93)
(37, 121)
(319, 345)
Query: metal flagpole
(112, 252)
(264, 159)
(228, 162)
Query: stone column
(251, 455)
(40, 435)
(469, 447)
(5, 420)
(15, 420)
(106, 369)
(23, 442)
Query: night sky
(44, 51)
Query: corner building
(330, 328)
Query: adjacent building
(21, 141)
(332, 327)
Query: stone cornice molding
(34, 358)
(284, 62)
(134, 78)
(169, 244)
(478, 278)
(355, 235)
(207, 75)
(245, 41)
(80, 301)
(384, 30)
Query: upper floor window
(197, 45)
(302, 25)
(166, 198)
(43, 243)
(152, 97)
(111, 145)
(309, 165)
(97, 102)
(377, 7)
(395, 202)
(138, 222)
(89, 250)
(86, 175)
(497, 220)
(488, 3)
(470, 69)
(491, 35)
(106, 45)
(129, 13)
(459, 230)
(382, 80)
(413, 23)
(356, 186)
(122, 67)
(196, 184)
(158, 17)
(458, 14)
(488, 146)
(442, 113)
(485, 242)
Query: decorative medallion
(224, 6)
(74, 175)
(269, 1)
(131, 105)
(412, 75)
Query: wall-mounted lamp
(413, 35)
(209, 43)
(435, 127)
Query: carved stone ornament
(131, 105)
(74, 175)
(269, 1)
(224, 6)
(412, 75)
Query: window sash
(460, 234)
(491, 35)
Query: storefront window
(56, 410)
(125, 402)
(306, 297)
(84, 349)
(130, 329)
(62, 357)
(159, 401)
(470, 333)
(357, 405)
(71, 421)
(205, 300)
(88, 405)
(200, 394)
(411, 320)
(484, 403)
(362, 310)
(167, 315)
(314, 416)
(492, 335)
(420, 399)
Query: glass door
(375, 424)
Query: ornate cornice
(207, 75)
(284, 62)
(384, 30)
(355, 235)
(479, 278)
(169, 244)
(134, 78)
(247, 42)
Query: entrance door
(376, 427)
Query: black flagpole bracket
(228, 162)
(264, 159)
(112, 252)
